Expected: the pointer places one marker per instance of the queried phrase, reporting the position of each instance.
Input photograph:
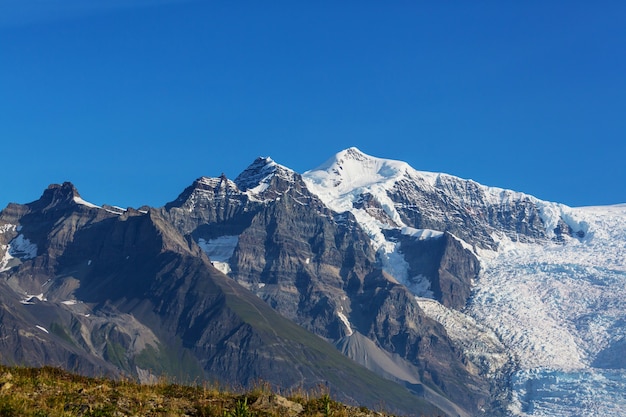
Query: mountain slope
(560, 310)
(539, 290)
(125, 292)
(318, 268)
(477, 300)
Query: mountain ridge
(392, 265)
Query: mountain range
(422, 292)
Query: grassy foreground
(39, 392)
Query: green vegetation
(169, 361)
(60, 331)
(116, 354)
(331, 365)
(39, 392)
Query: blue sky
(132, 100)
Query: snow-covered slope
(561, 310)
(549, 307)
(385, 194)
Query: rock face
(391, 195)
(258, 277)
(444, 262)
(114, 292)
(318, 268)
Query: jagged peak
(257, 177)
(204, 187)
(60, 195)
(65, 189)
(214, 183)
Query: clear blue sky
(131, 100)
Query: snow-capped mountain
(469, 300)
(549, 299)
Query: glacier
(559, 308)
(547, 312)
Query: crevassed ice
(556, 307)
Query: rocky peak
(258, 177)
(205, 188)
(58, 196)
(220, 183)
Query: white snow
(264, 185)
(478, 342)
(82, 202)
(43, 329)
(346, 323)
(21, 248)
(344, 179)
(223, 267)
(555, 307)
(257, 178)
(28, 299)
(69, 302)
(420, 286)
(7, 227)
(116, 210)
(219, 250)
(421, 234)
(6, 258)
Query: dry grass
(38, 392)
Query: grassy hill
(51, 392)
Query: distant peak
(65, 189)
(353, 153)
(352, 168)
(260, 172)
(60, 195)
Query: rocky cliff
(112, 291)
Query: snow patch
(43, 329)
(256, 179)
(223, 267)
(421, 234)
(7, 228)
(420, 286)
(6, 259)
(82, 202)
(30, 299)
(22, 248)
(346, 323)
(19, 248)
